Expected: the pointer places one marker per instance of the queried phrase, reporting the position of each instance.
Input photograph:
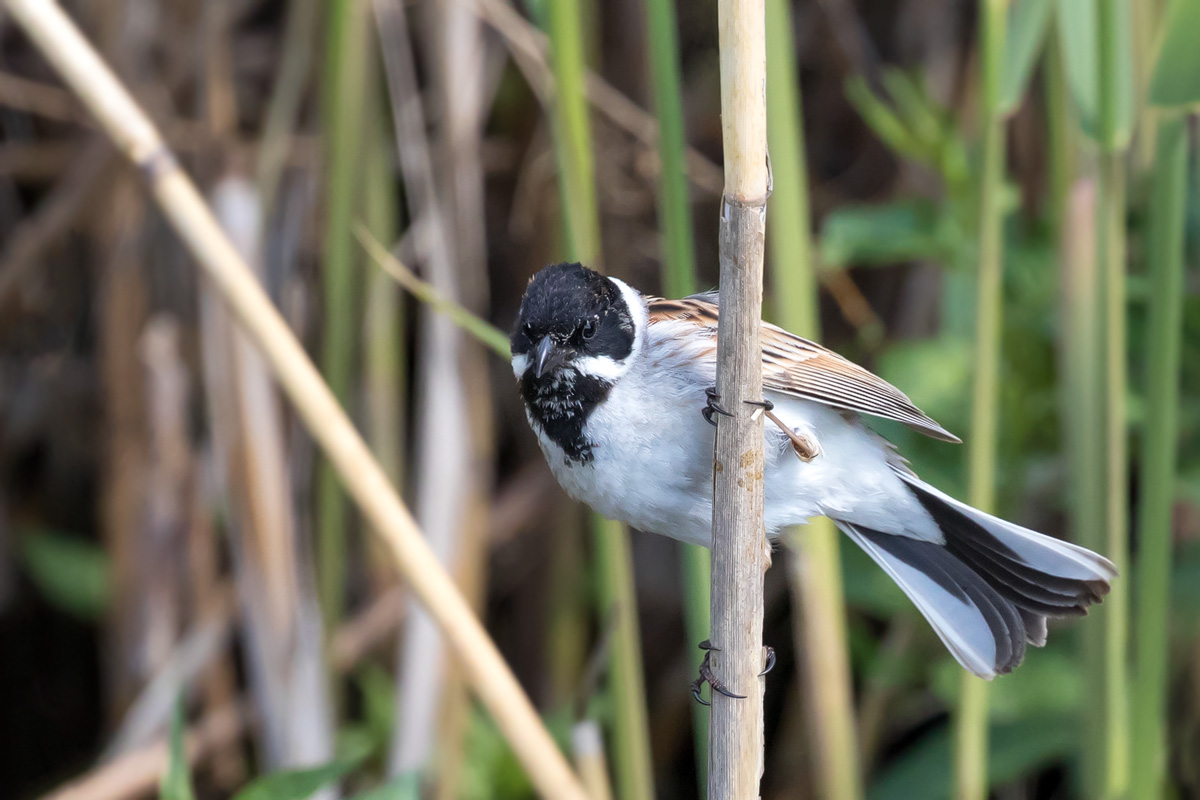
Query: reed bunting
(618, 388)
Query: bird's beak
(547, 357)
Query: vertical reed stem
(572, 130)
(971, 731)
(740, 549)
(817, 579)
(1111, 15)
(679, 280)
(1163, 356)
(342, 100)
(1111, 230)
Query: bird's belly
(651, 467)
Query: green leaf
(298, 784)
(934, 373)
(1185, 581)
(883, 234)
(487, 334)
(490, 769)
(921, 114)
(176, 784)
(1028, 21)
(1013, 750)
(886, 124)
(401, 787)
(378, 699)
(1176, 77)
(870, 589)
(1046, 683)
(1079, 33)
(71, 573)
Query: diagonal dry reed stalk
(136, 136)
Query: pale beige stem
(740, 550)
(84, 71)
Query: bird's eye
(589, 329)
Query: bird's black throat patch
(560, 403)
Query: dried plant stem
(740, 549)
(62, 43)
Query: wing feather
(796, 366)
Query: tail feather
(990, 585)
(964, 611)
(1019, 588)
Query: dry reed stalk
(82, 68)
(210, 602)
(529, 48)
(462, 93)
(165, 493)
(587, 742)
(287, 96)
(93, 168)
(136, 774)
(740, 549)
(124, 313)
(279, 610)
(447, 487)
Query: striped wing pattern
(795, 366)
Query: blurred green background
(990, 204)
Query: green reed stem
(971, 721)
(383, 325)
(679, 280)
(1164, 346)
(794, 284)
(674, 207)
(573, 131)
(1112, 20)
(1072, 212)
(342, 108)
(573, 144)
(485, 332)
(1111, 230)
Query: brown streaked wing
(793, 365)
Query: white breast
(652, 457)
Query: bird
(619, 388)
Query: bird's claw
(707, 676)
(711, 407)
(770, 661)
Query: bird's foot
(711, 407)
(707, 676)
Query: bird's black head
(573, 318)
(572, 341)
